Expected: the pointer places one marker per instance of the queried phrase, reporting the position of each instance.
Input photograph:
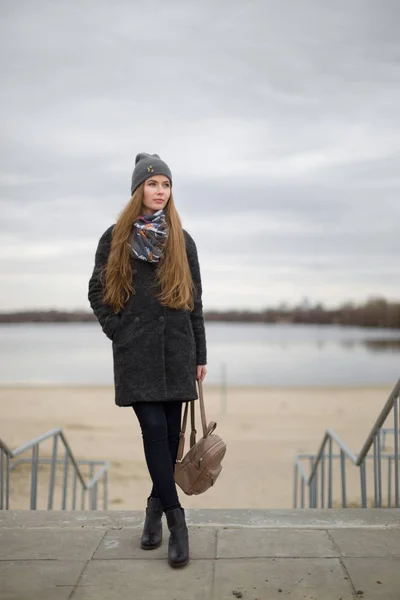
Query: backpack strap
(193, 424)
(181, 445)
(207, 429)
(202, 409)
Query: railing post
(315, 493)
(52, 473)
(330, 474)
(34, 476)
(91, 490)
(343, 477)
(65, 484)
(105, 490)
(93, 497)
(363, 477)
(74, 490)
(389, 481)
(323, 479)
(7, 482)
(2, 477)
(396, 452)
(379, 458)
(302, 492)
(296, 469)
(83, 497)
(311, 485)
(375, 475)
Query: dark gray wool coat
(155, 348)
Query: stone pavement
(249, 554)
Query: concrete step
(249, 554)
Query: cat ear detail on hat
(144, 155)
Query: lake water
(249, 354)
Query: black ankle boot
(178, 547)
(152, 530)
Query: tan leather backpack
(198, 470)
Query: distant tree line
(47, 316)
(375, 312)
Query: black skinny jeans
(160, 423)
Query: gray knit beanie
(147, 165)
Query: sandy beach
(263, 427)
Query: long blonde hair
(173, 271)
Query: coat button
(136, 320)
(134, 272)
(161, 319)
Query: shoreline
(211, 387)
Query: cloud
(278, 121)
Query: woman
(145, 291)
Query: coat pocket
(111, 326)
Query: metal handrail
(373, 440)
(89, 486)
(331, 435)
(3, 446)
(379, 422)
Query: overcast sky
(279, 121)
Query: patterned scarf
(150, 233)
